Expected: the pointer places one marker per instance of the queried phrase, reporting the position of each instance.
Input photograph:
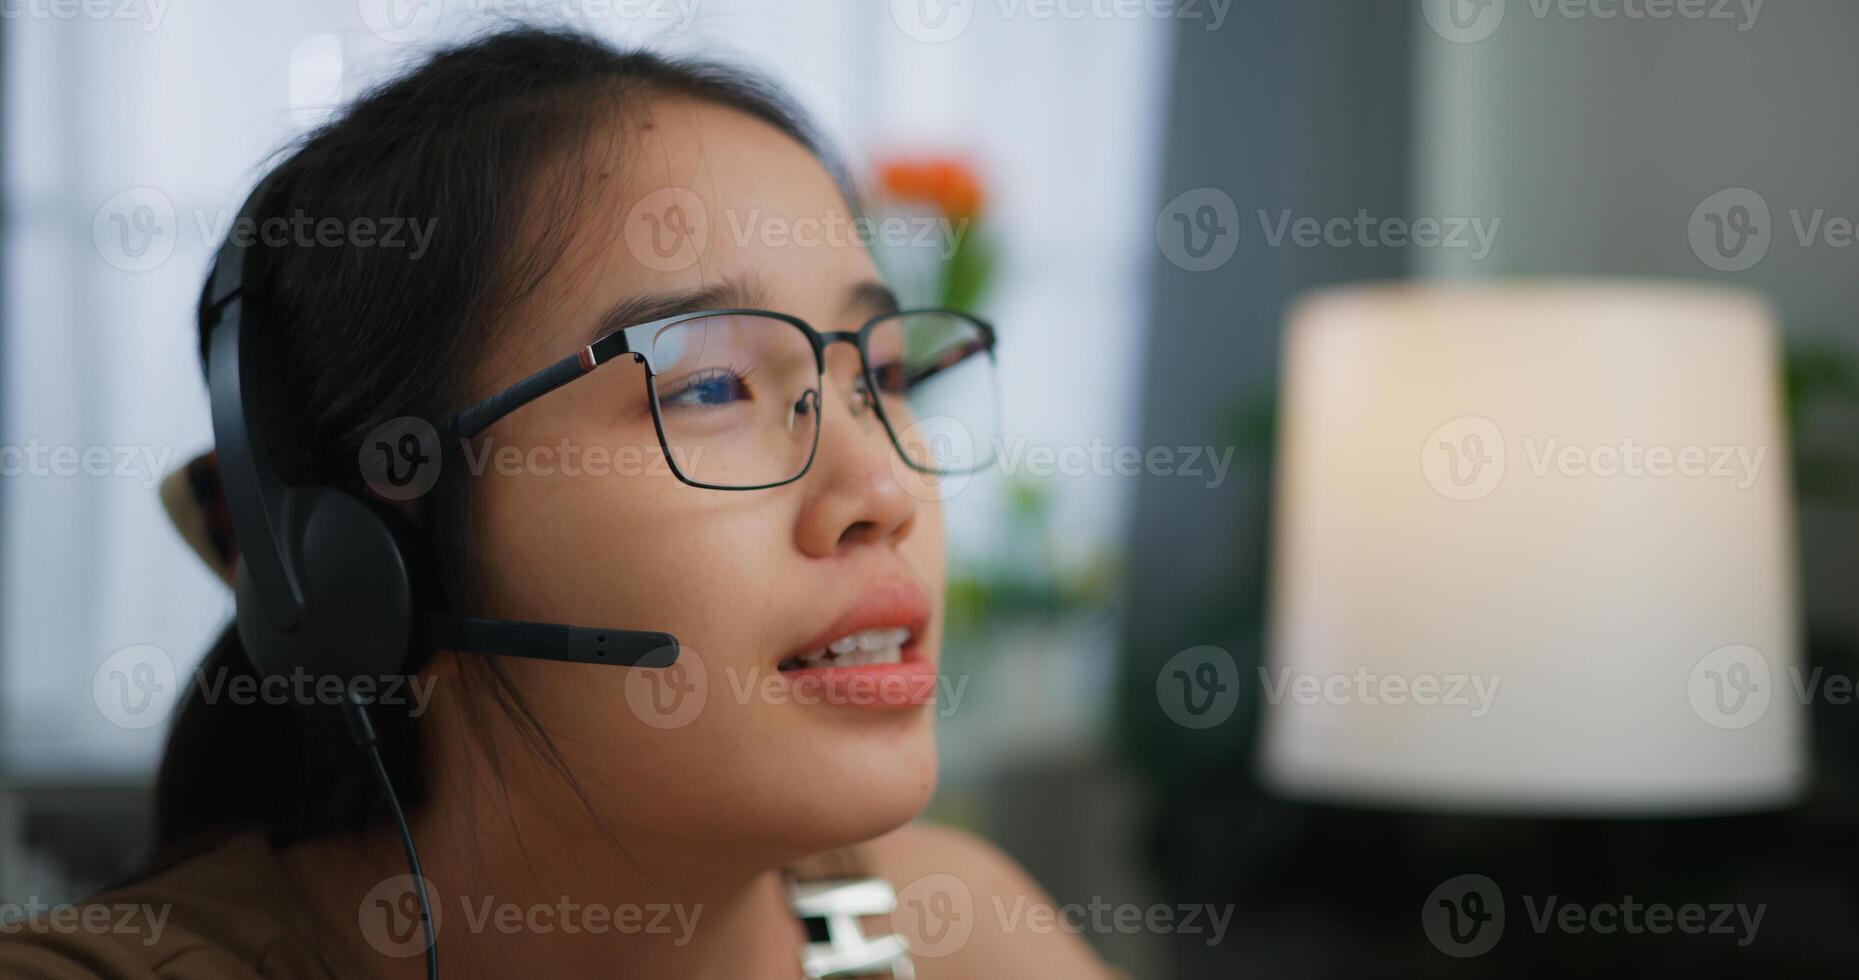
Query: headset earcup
(358, 593)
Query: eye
(892, 377)
(717, 386)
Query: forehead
(679, 195)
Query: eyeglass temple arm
(957, 356)
(475, 419)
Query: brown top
(228, 914)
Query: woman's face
(591, 528)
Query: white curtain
(129, 139)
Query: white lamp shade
(1533, 552)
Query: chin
(857, 785)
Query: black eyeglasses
(735, 394)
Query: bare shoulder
(969, 910)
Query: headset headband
(326, 578)
(254, 493)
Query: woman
(575, 820)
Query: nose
(852, 494)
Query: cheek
(631, 552)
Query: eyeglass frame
(637, 341)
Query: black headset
(331, 582)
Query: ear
(443, 667)
(196, 504)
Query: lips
(883, 645)
(869, 625)
(870, 656)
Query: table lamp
(1533, 551)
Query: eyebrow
(735, 292)
(730, 292)
(873, 298)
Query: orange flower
(947, 183)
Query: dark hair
(353, 337)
